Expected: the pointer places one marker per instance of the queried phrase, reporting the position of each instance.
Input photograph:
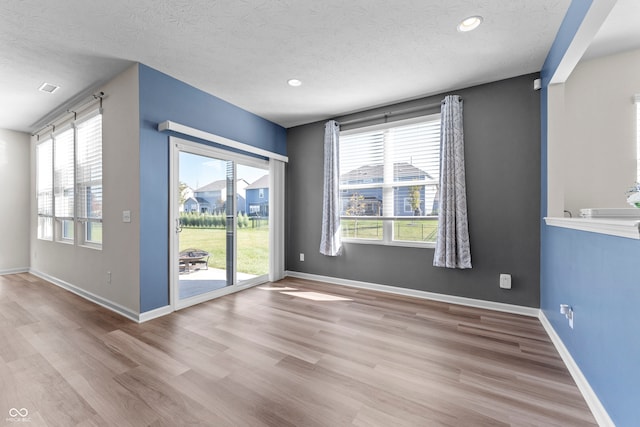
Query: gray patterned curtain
(331, 243)
(452, 245)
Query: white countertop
(621, 227)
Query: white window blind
(69, 182)
(388, 181)
(44, 188)
(63, 182)
(416, 160)
(89, 177)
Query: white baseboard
(153, 314)
(470, 302)
(14, 271)
(598, 411)
(115, 307)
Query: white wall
(14, 201)
(556, 146)
(600, 134)
(85, 268)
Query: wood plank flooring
(264, 358)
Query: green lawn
(421, 230)
(361, 229)
(253, 247)
(414, 230)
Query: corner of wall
(15, 180)
(111, 273)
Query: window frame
(84, 223)
(50, 225)
(44, 223)
(388, 186)
(63, 223)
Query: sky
(197, 171)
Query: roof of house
(216, 186)
(213, 186)
(262, 182)
(372, 172)
(198, 200)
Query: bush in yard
(209, 221)
(218, 220)
(185, 219)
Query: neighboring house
(369, 200)
(258, 197)
(185, 194)
(197, 204)
(212, 197)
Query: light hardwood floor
(264, 358)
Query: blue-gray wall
(165, 98)
(598, 276)
(502, 149)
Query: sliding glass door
(252, 231)
(220, 232)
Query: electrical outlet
(567, 310)
(301, 256)
(505, 281)
(571, 319)
(108, 277)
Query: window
(63, 183)
(408, 208)
(389, 182)
(69, 183)
(89, 179)
(44, 188)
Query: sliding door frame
(178, 145)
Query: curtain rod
(388, 114)
(96, 97)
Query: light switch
(126, 216)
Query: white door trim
(181, 145)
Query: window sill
(395, 243)
(611, 226)
(94, 246)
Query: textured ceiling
(350, 55)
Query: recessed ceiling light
(294, 82)
(48, 87)
(470, 23)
